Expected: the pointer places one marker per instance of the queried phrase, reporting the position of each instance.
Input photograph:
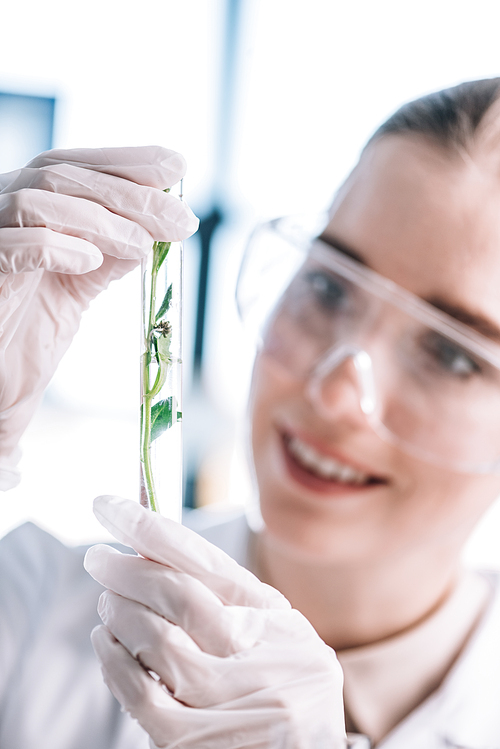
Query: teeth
(327, 468)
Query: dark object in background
(26, 128)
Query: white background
(315, 79)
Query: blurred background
(270, 101)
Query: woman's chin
(308, 536)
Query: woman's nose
(342, 385)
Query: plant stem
(146, 393)
(146, 453)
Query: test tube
(161, 380)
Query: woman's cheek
(271, 393)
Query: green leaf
(160, 250)
(163, 349)
(165, 305)
(161, 346)
(161, 416)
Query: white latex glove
(238, 667)
(70, 222)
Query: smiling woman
(363, 531)
(374, 409)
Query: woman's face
(430, 221)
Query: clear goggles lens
(425, 381)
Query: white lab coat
(52, 695)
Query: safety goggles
(424, 381)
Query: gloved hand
(70, 222)
(237, 666)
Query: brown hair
(449, 117)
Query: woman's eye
(328, 291)
(451, 357)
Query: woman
(375, 414)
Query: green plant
(156, 361)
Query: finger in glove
(171, 544)
(165, 217)
(31, 248)
(178, 597)
(146, 165)
(111, 233)
(163, 648)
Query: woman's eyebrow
(343, 248)
(474, 320)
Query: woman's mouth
(322, 472)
